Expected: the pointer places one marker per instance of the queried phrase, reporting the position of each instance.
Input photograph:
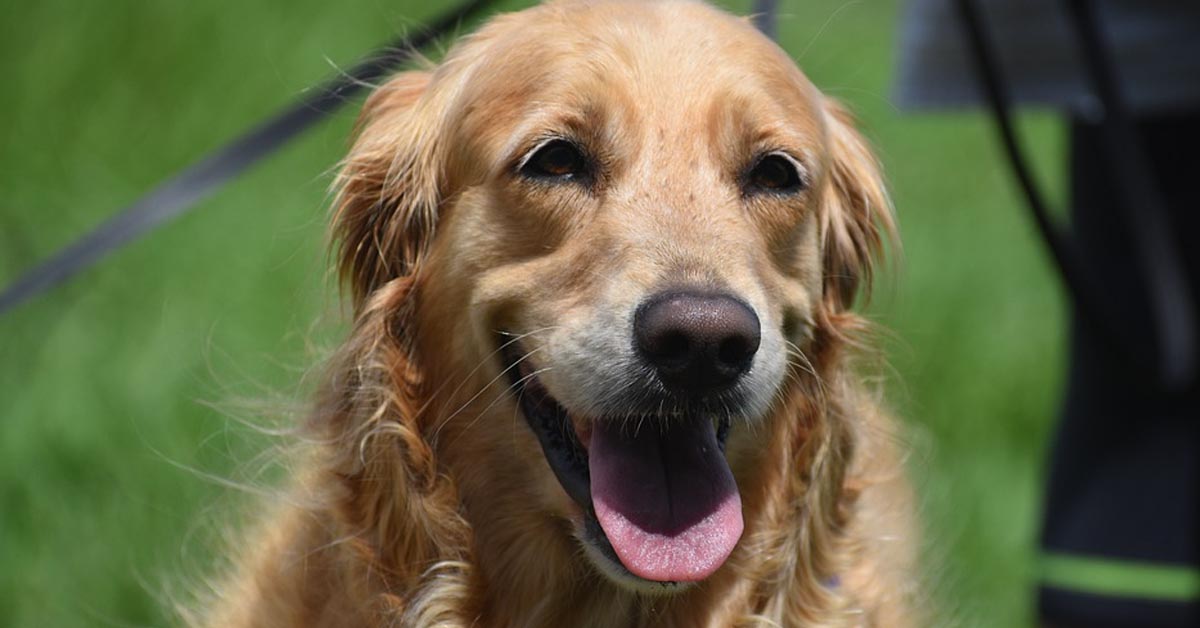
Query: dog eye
(775, 173)
(556, 159)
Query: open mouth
(658, 496)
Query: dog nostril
(734, 351)
(673, 347)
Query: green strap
(1105, 576)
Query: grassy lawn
(119, 413)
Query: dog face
(626, 223)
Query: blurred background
(123, 431)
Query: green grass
(107, 442)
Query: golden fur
(427, 501)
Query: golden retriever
(601, 260)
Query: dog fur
(426, 500)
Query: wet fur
(425, 501)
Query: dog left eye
(775, 173)
(556, 159)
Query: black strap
(179, 194)
(1171, 360)
(766, 17)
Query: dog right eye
(556, 159)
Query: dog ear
(401, 513)
(388, 190)
(856, 215)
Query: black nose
(696, 342)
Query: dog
(602, 261)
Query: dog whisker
(516, 385)
(483, 389)
(511, 339)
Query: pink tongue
(667, 500)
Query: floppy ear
(856, 214)
(398, 514)
(388, 190)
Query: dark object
(1124, 477)
(1071, 609)
(695, 341)
(1120, 533)
(180, 193)
(1171, 358)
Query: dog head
(624, 225)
